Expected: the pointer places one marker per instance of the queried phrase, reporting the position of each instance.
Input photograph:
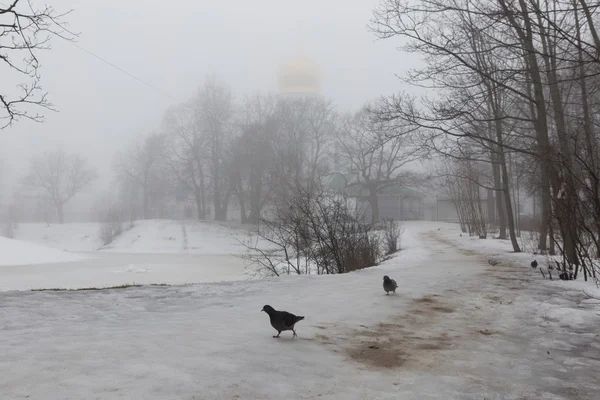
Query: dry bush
(312, 233)
(112, 225)
(392, 231)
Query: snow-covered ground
(147, 237)
(152, 252)
(75, 237)
(458, 328)
(16, 252)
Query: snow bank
(75, 237)
(148, 236)
(171, 237)
(16, 252)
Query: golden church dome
(299, 75)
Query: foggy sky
(174, 45)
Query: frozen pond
(111, 269)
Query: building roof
(339, 182)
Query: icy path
(457, 329)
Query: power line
(123, 71)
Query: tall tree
(141, 166)
(214, 118)
(186, 154)
(59, 176)
(306, 131)
(252, 155)
(375, 153)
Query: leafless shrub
(392, 232)
(312, 233)
(112, 226)
(461, 185)
(529, 241)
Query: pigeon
(534, 264)
(564, 276)
(389, 285)
(282, 320)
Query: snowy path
(457, 329)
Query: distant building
(395, 202)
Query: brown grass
(95, 288)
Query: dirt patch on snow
(403, 340)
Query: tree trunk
(545, 213)
(499, 203)
(552, 241)
(539, 117)
(588, 128)
(495, 103)
(60, 213)
(201, 210)
(563, 206)
(541, 124)
(255, 204)
(146, 204)
(242, 203)
(505, 187)
(221, 206)
(374, 203)
(592, 27)
(219, 213)
(509, 210)
(202, 189)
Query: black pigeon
(389, 285)
(564, 276)
(534, 264)
(282, 320)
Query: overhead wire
(163, 93)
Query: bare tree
(141, 167)
(375, 152)
(252, 156)
(302, 149)
(213, 107)
(186, 154)
(529, 70)
(59, 176)
(460, 180)
(25, 30)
